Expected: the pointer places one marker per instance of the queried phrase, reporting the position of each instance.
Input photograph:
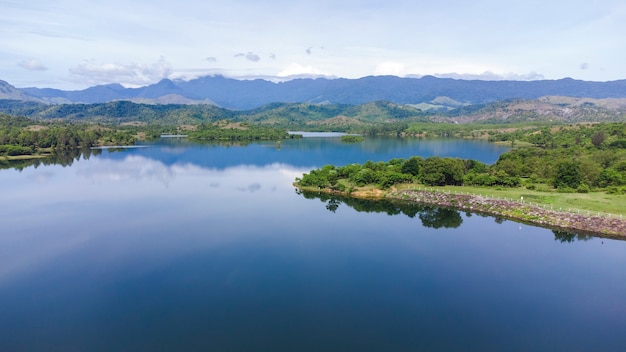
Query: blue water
(203, 247)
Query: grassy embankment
(592, 202)
(597, 214)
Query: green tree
(598, 138)
(437, 171)
(412, 166)
(568, 175)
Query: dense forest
(375, 117)
(22, 136)
(570, 158)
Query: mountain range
(424, 93)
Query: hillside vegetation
(364, 118)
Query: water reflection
(305, 152)
(193, 248)
(130, 168)
(59, 157)
(433, 217)
(568, 237)
(440, 217)
(430, 216)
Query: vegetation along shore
(573, 178)
(549, 163)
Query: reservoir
(208, 247)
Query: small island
(351, 138)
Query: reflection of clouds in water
(42, 177)
(197, 195)
(18, 261)
(142, 169)
(292, 173)
(268, 177)
(132, 167)
(251, 188)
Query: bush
(568, 175)
(583, 188)
(616, 190)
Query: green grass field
(592, 202)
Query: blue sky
(73, 44)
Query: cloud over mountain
(491, 76)
(130, 74)
(32, 64)
(250, 56)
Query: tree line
(432, 171)
(577, 158)
(228, 131)
(22, 136)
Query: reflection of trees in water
(441, 217)
(431, 216)
(332, 205)
(568, 237)
(434, 217)
(59, 157)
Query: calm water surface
(209, 248)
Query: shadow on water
(433, 217)
(568, 237)
(430, 216)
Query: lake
(178, 246)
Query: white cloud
(250, 56)
(491, 76)
(132, 74)
(295, 69)
(32, 64)
(461, 38)
(390, 68)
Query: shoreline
(532, 214)
(600, 226)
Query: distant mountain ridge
(8, 92)
(249, 94)
(336, 117)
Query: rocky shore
(596, 225)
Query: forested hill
(250, 94)
(338, 117)
(282, 114)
